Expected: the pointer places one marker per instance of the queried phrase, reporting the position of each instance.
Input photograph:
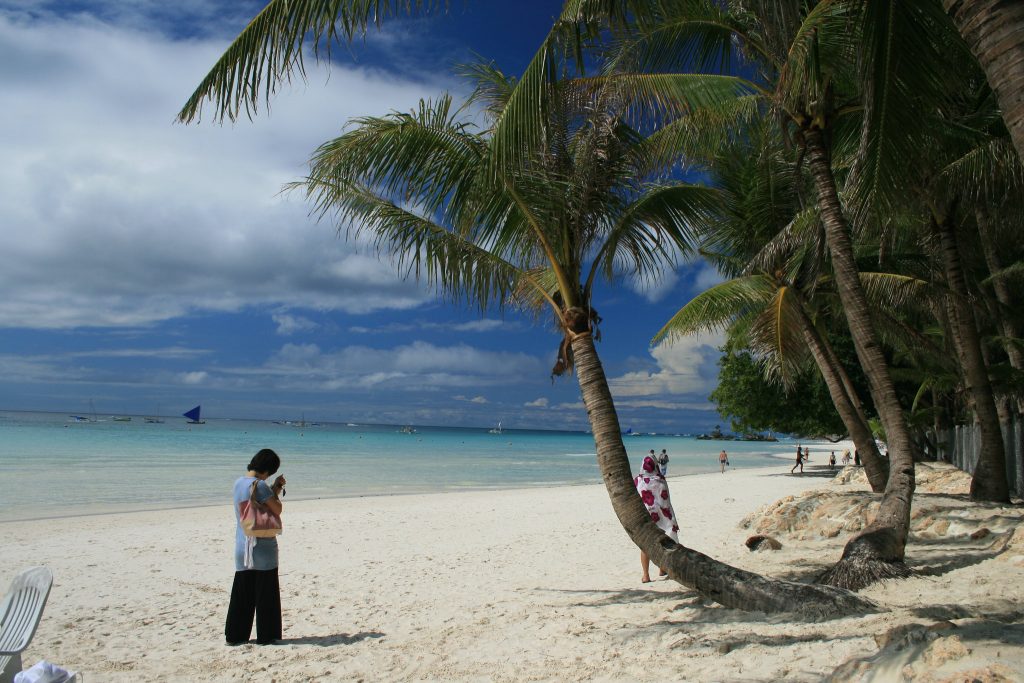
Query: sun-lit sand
(534, 584)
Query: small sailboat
(496, 430)
(408, 429)
(83, 418)
(155, 420)
(193, 416)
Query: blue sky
(149, 265)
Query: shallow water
(53, 466)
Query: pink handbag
(257, 519)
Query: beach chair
(19, 616)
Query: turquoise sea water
(53, 466)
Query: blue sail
(193, 415)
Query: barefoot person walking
(799, 461)
(723, 460)
(653, 490)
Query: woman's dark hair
(266, 461)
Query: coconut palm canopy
(596, 199)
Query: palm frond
(455, 267)
(776, 335)
(824, 40)
(987, 171)
(1012, 272)
(651, 231)
(717, 307)
(892, 291)
(696, 139)
(665, 96)
(270, 49)
(428, 157)
(908, 51)
(688, 34)
(492, 88)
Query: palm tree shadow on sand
(328, 641)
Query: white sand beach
(535, 584)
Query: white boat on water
(407, 429)
(496, 430)
(83, 418)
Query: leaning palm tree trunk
(878, 551)
(723, 583)
(875, 467)
(989, 480)
(994, 30)
(1002, 291)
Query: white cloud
(476, 399)
(114, 215)
(654, 290)
(484, 325)
(197, 377)
(290, 324)
(706, 278)
(417, 366)
(537, 403)
(664, 405)
(167, 353)
(684, 367)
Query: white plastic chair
(19, 617)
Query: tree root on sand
(859, 570)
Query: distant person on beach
(653, 490)
(663, 462)
(856, 457)
(256, 591)
(846, 457)
(832, 460)
(799, 461)
(723, 460)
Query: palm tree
(808, 54)
(769, 244)
(994, 30)
(782, 333)
(519, 211)
(595, 199)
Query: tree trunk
(878, 551)
(847, 406)
(989, 480)
(1002, 291)
(994, 31)
(1008, 322)
(720, 582)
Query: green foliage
(754, 404)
